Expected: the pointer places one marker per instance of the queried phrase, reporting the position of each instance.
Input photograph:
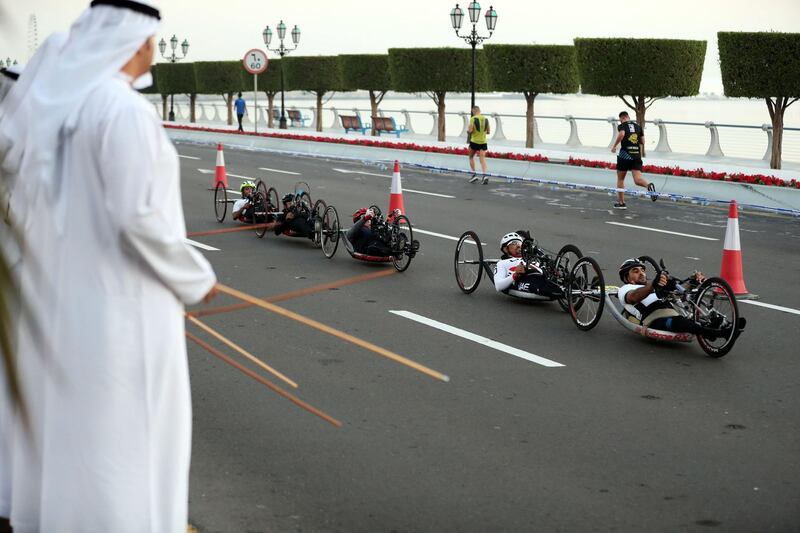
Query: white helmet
(508, 238)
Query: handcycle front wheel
(330, 232)
(565, 259)
(220, 201)
(468, 262)
(586, 293)
(404, 243)
(716, 307)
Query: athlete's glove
(369, 214)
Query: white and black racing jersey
(503, 277)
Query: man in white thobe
(111, 420)
(8, 77)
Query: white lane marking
(771, 306)
(280, 171)
(429, 193)
(346, 171)
(201, 245)
(489, 343)
(207, 171)
(662, 231)
(189, 157)
(442, 236)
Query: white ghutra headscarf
(42, 108)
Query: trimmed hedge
(532, 68)
(269, 81)
(318, 74)
(176, 78)
(760, 65)
(368, 72)
(219, 77)
(644, 67)
(415, 70)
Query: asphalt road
(628, 435)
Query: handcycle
(569, 270)
(396, 232)
(711, 304)
(302, 208)
(264, 210)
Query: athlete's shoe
(485, 180)
(474, 178)
(652, 188)
(620, 205)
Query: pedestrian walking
(630, 139)
(107, 385)
(241, 109)
(477, 132)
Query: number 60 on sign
(255, 61)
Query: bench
(353, 123)
(295, 116)
(388, 125)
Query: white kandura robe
(114, 412)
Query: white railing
(710, 139)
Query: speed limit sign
(255, 61)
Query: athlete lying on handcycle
(369, 240)
(295, 220)
(244, 208)
(516, 274)
(653, 302)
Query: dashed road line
(662, 231)
(489, 343)
(280, 171)
(771, 306)
(189, 157)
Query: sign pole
(255, 99)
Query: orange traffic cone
(396, 193)
(731, 270)
(220, 176)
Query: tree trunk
(164, 112)
(776, 111)
(229, 106)
(270, 108)
(442, 119)
(192, 100)
(529, 99)
(320, 94)
(373, 106)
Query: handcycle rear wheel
(260, 210)
(717, 307)
(586, 293)
(316, 218)
(273, 203)
(220, 201)
(404, 241)
(330, 232)
(565, 259)
(468, 262)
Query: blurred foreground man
(95, 185)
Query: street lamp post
(473, 39)
(281, 50)
(172, 58)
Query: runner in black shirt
(631, 139)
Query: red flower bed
(737, 177)
(536, 158)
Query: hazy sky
(226, 30)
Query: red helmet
(358, 214)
